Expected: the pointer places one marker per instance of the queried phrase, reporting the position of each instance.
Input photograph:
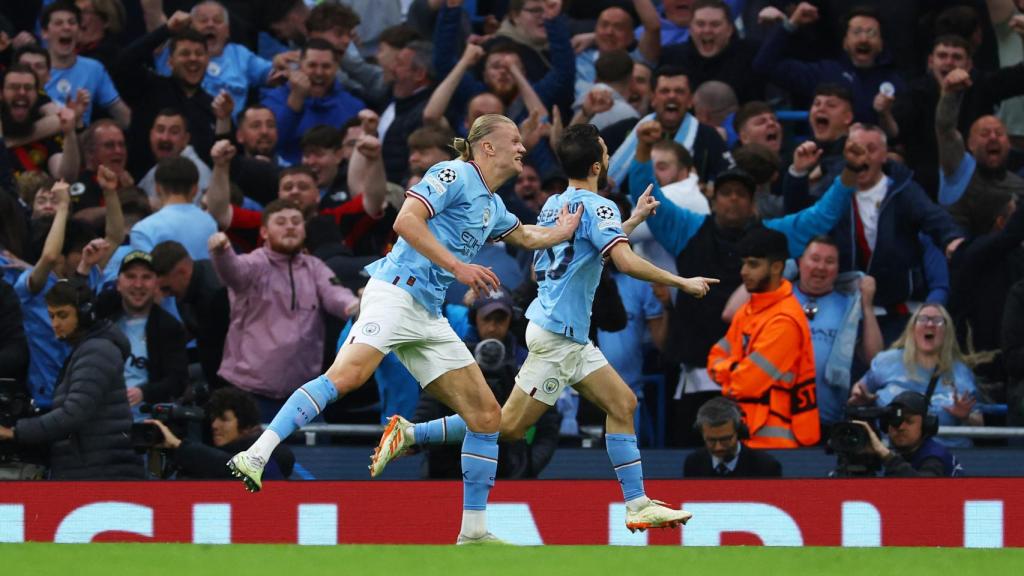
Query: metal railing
(375, 430)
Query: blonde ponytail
(482, 127)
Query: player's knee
(624, 407)
(486, 419)
(344, 378)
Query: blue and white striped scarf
(618, 166)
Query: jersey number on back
(557, 269)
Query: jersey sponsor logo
(371, 329)
(605, 224)
(550, 385)
(448, 175)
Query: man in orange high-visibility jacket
(765, 362)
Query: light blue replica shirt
(464, 214)
(85, 73)
(235, 71)
(568, 273)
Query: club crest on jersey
(448, 175)
(487, 216)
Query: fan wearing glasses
(927, 349)
(841, 315)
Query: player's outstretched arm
(630, 264)
(411, 225)
(646, 205)
(540, 237)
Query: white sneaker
(248, 467)
(487, 538)
(655, 514)
(393, 444)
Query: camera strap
(931, 386)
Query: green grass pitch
(283, 560)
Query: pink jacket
(275, 341)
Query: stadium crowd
(191, 189)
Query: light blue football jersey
(568, 274)
(464, 214)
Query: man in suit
(720, 423)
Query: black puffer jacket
(89, 428)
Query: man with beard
(19, 112)
(312, 96)
(561, 354)
(157, 365)
(170, 138)
(864, 69)
(765, 363)
(257, 134)
(706, 244)
(178, 218)
(671, 102)
(266, 328)
(970, 174)
(70, 72)
(614, 31)
(149, 93)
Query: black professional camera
(851, 443)
(15, 403)
(185, 421)
(490, 355)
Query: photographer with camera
(499, 355)
(234, 425)
(915, 453)
(88, 428)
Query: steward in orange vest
(765, 362)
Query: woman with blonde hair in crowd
(927, 349)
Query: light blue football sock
(447, 430)
(303, 406)
(625, 457)
(479, 467)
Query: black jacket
(408, 117)
(147, 93)
(752, 464)
(732, 66)
(89, 428)
(206, 312)
(915, 115)
(896, 260)
(167, 359)
(981, 276)
(13, 346)
(199, 461)
(1013, 333)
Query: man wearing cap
(765, 363)
(915, 453)
(157, 366)
(706, 245)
